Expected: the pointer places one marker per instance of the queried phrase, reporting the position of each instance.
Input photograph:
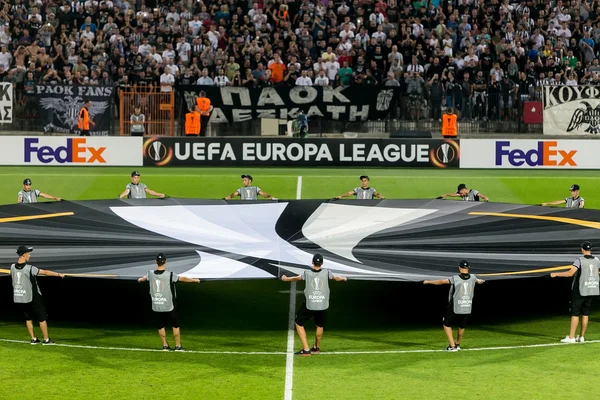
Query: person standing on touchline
(137, 190)
(460, 301)
(164, 304)
(362, 192)
(575, 201)
(29, 195)
(316, 304)
(585, 285)
(249, 191)
(27, 294)
(466, 194)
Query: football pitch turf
(383, 340)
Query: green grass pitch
(373, 318)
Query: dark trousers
(84, 132)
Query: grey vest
(471, 196)
(317, 290)
(29, 197)
(364, 194)
(22, 281)
(137, 191)
(588, 277)
(461, 294)
(249, 193)
(137, 123)
(574, 203)
(160, 291)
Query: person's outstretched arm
(291, 278)
(347, 194)
(190, 280)
(437, 282)
(554, 203)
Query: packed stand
(482, 59)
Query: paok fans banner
(571, 110)
(238, 104)
(288, 152)
(60, 105)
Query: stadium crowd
(481, 58)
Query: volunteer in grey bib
(466, 194)
(249, 191)
(363, 192)
(575, 201)
(137, 120)
(163, 296)
(316, 293)
(460, 302)
(29, 195)
(137, 190)
(584, 288)
(27, 295)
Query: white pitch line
(281, 353)
(77, 346)
(289, 359)
(299, 188)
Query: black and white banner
(287, 152)
(408, 240)
(60, 105)
(238, 104)
(7, 96)
(571, 110)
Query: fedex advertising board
(530, 153)
(71, 151)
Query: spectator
(322, 79)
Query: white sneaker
(580, 339)
(568, 340)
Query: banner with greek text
(238, 104)
(571, 110)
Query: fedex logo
(74, 151)
(545, 154)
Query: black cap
(135, 173)
(161, 258)
(464, 264)
(586, 246)
(27, 181)
(460, 187)
(247, 176)
(317, 259)
(363, 177)
(24, 249)
(574, 187)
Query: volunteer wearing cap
(575, 201)
(316, 293)
(29, 195)
(585, 285)
(137, 190)
(248, 191)
(27, 295)
(466, 194)
(363, 192)
(164, 304)
(460, 300)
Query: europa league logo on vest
(317, 284)
(18, 278)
